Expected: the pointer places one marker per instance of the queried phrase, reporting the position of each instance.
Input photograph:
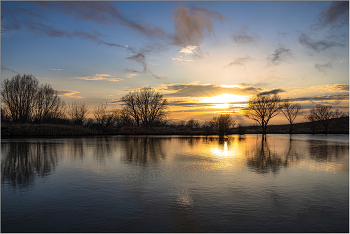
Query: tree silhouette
(146, 106)
(291, 111)
(262, 108)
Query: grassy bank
(9, 130)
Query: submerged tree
(262, 108)
(145, 105)
(291, 111)
(223, 123)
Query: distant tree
(241, 130)
(105, 117)
(291, 111)
(145, 105)
(325, 115)
(223, 123)
(311, 122)
(208, 126)
(262, 108)
(5, 117)
(192, 124)
(48, 105)
(77, 112)
(18, 96)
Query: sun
(224, 98)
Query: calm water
(176, 184)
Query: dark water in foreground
(175, 184)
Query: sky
(206, 58)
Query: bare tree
(105, 117)
(262, 108)
(291, 111)
(325, 115)
(77, 112)
(311, 122)
(145, 105)
(48, 105)
(223, 123)
(18, 95)
(192, 124)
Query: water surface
(176, 184)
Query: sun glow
(224, 98)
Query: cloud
(68, 93)
(8, 69)
(323, 67)
(193, 24)
(57, 69)
(274, 91)
(103, 12)
(131, 75)
(105, 77)
(241, 61)
(323, 88)
(141, 58)
(317, 45)
(242, 37)
(209, 90)
(324, 99)
(337, 14)
(188, 49)
(281, 54)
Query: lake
(176, 184)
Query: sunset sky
(206, 58)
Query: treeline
(143, 111)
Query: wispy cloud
(68, 93)
(240, 61)
(242, 37)
(281, 54)
(141, 58)
(188, 49)
(103, 12)
(209, 90)
(322, 89)
(273, 91)
(57, 69)
(105, 77)
(8, 69)
(318, 46)
(336, 15)
(323, 67)
(192, 24)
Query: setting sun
(224, 99)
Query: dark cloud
(241, 61)
(103, 12)
(8, 69)
(274, 91)
(281, 54)
(336, 15)
(342, 87)
(323, 67)
(241, 36)
(196, 90)
(192, 24)
(325, 98)
(318, 45)
(141, 58)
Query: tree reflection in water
(263, 160)
(144, 150)
(326, 150)
(22, 161)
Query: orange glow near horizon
(224, 100)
